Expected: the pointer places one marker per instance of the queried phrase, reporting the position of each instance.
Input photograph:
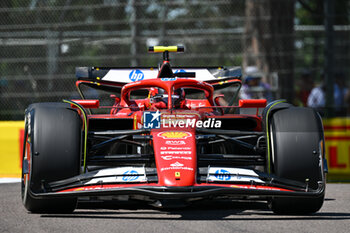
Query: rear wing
(123, 76)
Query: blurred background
(293, 49)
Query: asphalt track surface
(214, 217)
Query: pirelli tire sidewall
(54, 131)
(295, 137)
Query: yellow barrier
(11, 135)
(337, 135)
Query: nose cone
(175, 155)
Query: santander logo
(176, 164)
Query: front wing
(114, 182)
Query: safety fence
(337, 135)
(41, 42)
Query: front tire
(51, 152)
(296, 138)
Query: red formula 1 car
(163, 134)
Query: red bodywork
(174, 147)
(154, 143)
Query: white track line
(9, 180)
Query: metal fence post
(329, 57)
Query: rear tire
(51, 152)
(296, 134)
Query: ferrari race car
(170, 134)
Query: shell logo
(174, 135)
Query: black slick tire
(51, 152)
(296, 134)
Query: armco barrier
(337, 134)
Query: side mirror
(117, 99)
(217, 102)
(252, 103)
(216, 99)
(87, 103)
